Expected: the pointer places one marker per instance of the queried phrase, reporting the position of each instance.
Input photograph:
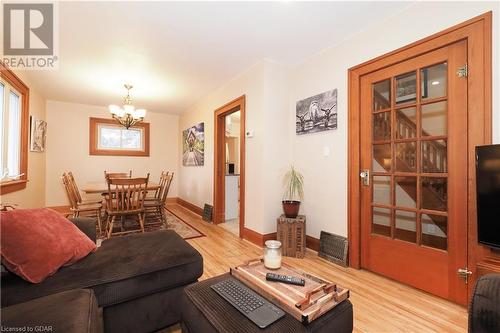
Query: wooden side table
(292, 235)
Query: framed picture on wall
(193, 145)
(38, 133)
(406, 86)
(316, 113)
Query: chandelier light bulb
(127, 115)
(129, 109)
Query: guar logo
(28, 29)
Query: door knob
(365, 176)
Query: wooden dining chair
(125, 197)
(155, 206)
(117, 174)
(78, 206)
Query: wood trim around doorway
(220, 154)
(477, 32)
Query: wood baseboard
(312, 243)
(172, 200)
(257, 238)
(190, 206)
(64, 210)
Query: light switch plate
(249, 134)
(326, 151)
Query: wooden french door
(414, 171)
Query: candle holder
(272, 254)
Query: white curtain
(14, 133)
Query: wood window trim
(478, 34)
(13, 80)
(219, 155)
(94, 150)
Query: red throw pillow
(37, 242)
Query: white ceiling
(174, 53)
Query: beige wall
(326, 177)
(68, 149)
(264, 85)
(33, 195)
(272, 92)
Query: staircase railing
(434, 156)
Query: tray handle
(306, 301)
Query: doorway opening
(229, 166)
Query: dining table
(102, 187)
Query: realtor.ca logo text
(30, 36)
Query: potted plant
(294, 192)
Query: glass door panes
(409, 157)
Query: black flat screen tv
(488, 194)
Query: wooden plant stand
(292, 235)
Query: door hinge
(463, 71)
(464, 274)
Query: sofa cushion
(123, 268)
(71, 311)
(36, 242)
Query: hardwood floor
(380, 304)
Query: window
(107, 137)
(13, 132)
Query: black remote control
(285, 279)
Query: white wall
(267, 153)
(272, 91)
(68, 149)
(33, 196)
(325, 201)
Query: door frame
(478, 34)
(220, 155)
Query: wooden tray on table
(305, 303)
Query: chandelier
(127, 115)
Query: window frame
(94, 140)
(15, 82)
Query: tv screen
(488, 194)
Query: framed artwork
(38, 133)
(193, 145)
(406, 86)
(317, 113)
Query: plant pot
(291, 208)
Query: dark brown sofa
(72, 311)
(484, 307)
(137, 279)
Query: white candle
(272, 254)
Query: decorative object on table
(294, 192)
(333, 248)
(292, 235)
(127, 115)
(193, 145)
(38, 134)
(207, 213)
(317, 113)
(305, 303)
(272, 254)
